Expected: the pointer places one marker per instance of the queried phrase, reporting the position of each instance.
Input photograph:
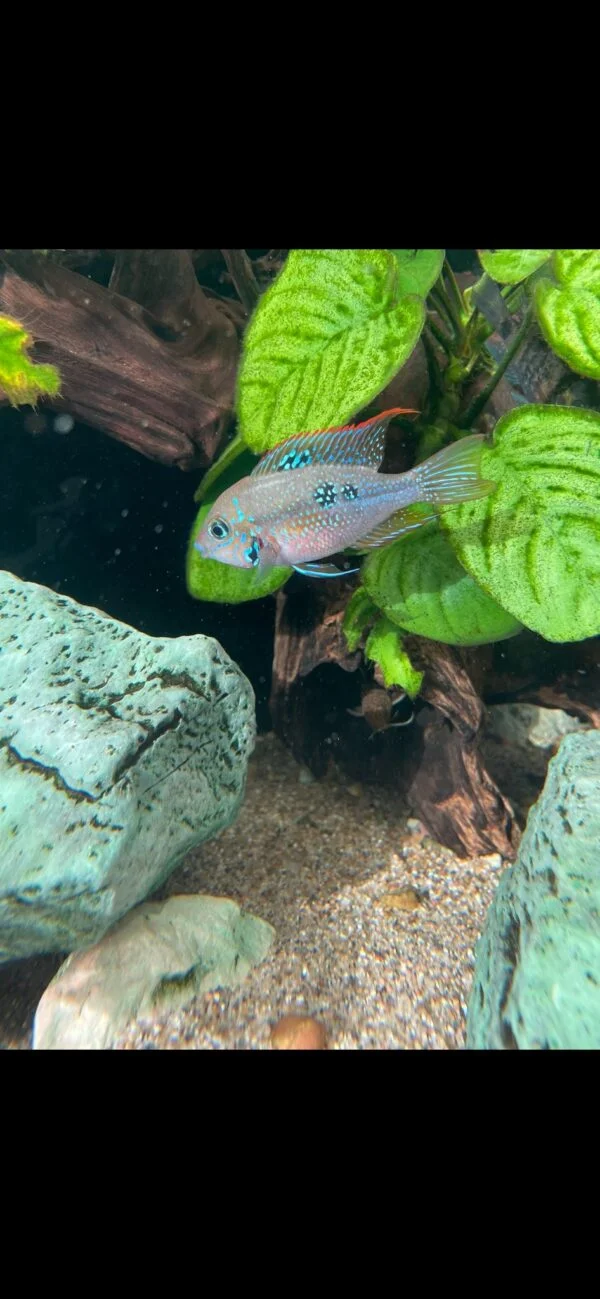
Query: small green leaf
(325, 338)
(418, 269)
(384, 647)
(569, 312)
(207, 579)
(418, 582)
(509, 265)
(21, 380)
(359, 612)
(534, 544)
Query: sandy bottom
(332, 866)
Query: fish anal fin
(352, 444)
(399, 523)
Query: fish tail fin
(453, 474)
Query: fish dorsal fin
(405, 520)
(354, 444)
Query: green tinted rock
(153, 961)
(119, 752)
(537, 969)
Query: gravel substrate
(375, 924)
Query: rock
(156, 959)
(526, 724)
(537, 968)
(298, 1033)
(119, 752)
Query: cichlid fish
(318, 493)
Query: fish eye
(219, 529)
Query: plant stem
(439, 336)
(436, 378)
(454, 295)
(442, 306)
(483, 397)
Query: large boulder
(537, 969)
(119, 752)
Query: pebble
(406, 899)
(298, 1033)
(306, 777)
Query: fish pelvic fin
(323, 570)
(404, 520)
(453, 474)
(354, 444)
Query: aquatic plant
(327, 337)
(21, 380)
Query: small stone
(414, 826)
(355, 790)
(306, 777)
(406, 899)
(298, 1033)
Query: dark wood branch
(171, 401)
(240, 268)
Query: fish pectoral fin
(323, 570)
(404, 520)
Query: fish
(316, 494)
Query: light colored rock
(119, 752)
(298, 1033)
(525, 724)
(156, 959)
(537, 970)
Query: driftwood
(308, 636)
(444, 776)
(151, 360)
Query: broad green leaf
(509, 265)
(384, 647)
(570, 322)
(418, 582)
(207, 579)
(325, 338)
(21, 380)
(534, 544)
(578, 266)
(236, 448)
(359, 612)
(418, 269)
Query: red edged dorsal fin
(351, 444)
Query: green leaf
(384, 647)
(509, 265)
(236, 448)
(21, 380)
(534, 544)
(569, 312)
(207, 579)
(418, 582)
(359, 612)
(325, 338)
(418, 269)
(578, 266)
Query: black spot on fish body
(326, 494)
(349, 492)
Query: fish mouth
(198, 546)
